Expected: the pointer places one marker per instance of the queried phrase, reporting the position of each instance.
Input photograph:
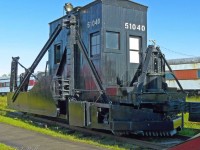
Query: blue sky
(174, 24)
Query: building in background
(5, 84)
(187, 71)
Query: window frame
(118, 39)
(139, 44)
(134, 50)
(98, 53)
(55, 53)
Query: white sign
(93, 23)
(132, 26)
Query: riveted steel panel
(116, 63)
(77, 113)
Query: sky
(24, 29)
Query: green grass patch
(5, 147)
(193, 99)
(188, 132)
(3, 102)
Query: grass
(190, 128)
(193, 99)
(26, 125)
(60, 132)
(5, 147)
(3, 103)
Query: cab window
(57, 56)
(112, 40)
(134, 49)
(95, 44)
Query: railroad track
(158, 143)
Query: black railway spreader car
(102, 75)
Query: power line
(176, 52)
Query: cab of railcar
(114, 34)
